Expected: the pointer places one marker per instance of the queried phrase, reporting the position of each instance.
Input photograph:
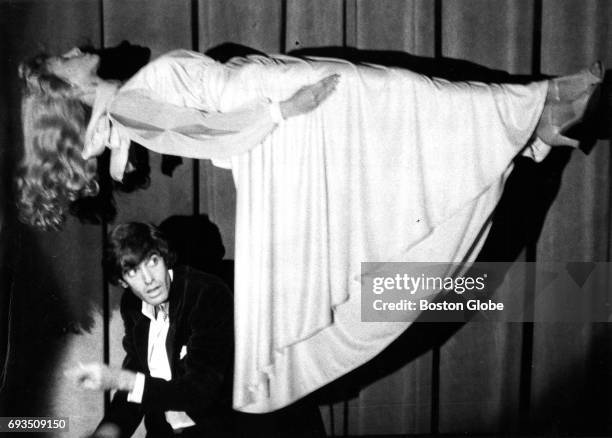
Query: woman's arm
(174, 130)
(309, 97)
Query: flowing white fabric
(394, 166)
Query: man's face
(149, 281)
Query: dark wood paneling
(406, 26)
(314, 24)
(256, 23)
(579, 28)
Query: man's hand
(100, 377)
(309, 97)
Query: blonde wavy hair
(52, 172)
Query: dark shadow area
(597, 122)
(7, 274)
(120, 62)
(40, 313)
(7, 250)
(226, 51)
(197, 243)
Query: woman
(393, 166)
(57, 94)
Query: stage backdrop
(478, 378)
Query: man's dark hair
(130, 244)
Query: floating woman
(335, 164)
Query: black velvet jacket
(201, 320)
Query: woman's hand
(309, 97)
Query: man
(178, 343)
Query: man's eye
(153, 260)
(131, 273)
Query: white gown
(394, 166)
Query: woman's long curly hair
(52, 172)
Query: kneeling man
(178, 343)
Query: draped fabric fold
(187, 132)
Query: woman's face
(75, 67)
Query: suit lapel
(141, 336)
(170, 345)
(176, 302)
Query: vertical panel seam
(609, 214)
(106, 312)
(438, 29)
(349, 23)
(344, 23)
(527, 339)
(348, 40)
(536, 44)
(283, 27)
(195, 45)
(435, 357)
(434, 425)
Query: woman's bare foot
(566, 103)
(571, 87)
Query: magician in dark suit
(178, 341)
